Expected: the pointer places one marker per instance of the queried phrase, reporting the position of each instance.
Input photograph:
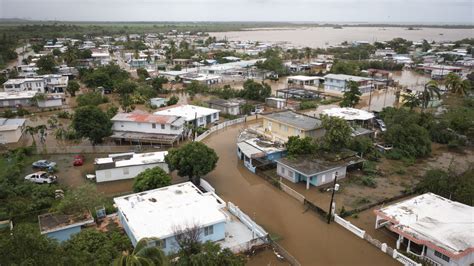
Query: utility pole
(372, 87)
(195, 126)
(332, 198)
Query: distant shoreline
(235, 25)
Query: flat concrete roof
(345, 77)
(131, 159)
(189, 112)
(7, 124)
(158, 212)
(445, 223)
(350, 114)
(295, 119)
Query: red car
(78, 160)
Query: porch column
(423, 251)
(408, 247)
(399, 241)
(307, 182)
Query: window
(214, 115)
(441, 256)
(208, 230)
(162, 126)
(163, 243)
(290, 173)
(125, 171)
(153, 125)
(282, 170)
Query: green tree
(337, 135)
(85, 197)
(172, 100)
(93, 247)
(46, 64)
(430, 91)
(142, 73)
(210, 254)
(455, 85)
(255, 91)
(90, 99)
(150, 179)
(26, 246)
(143, 254)
(157, 84)
(411, 100)
(300, 146)
(352, 95)
(32, 131)
(126, 87)
(72, 87)
(246, 109)
(90, 122)
(193, 160)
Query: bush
(8, 114)
(369, 181)
(307, 105)
(91, 99)
(64, 115)
(22, 112)
(369, 168)
(394, 154)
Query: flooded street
(327, 36)
(305, 235)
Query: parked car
(44, 164)
(41, 178)
(78, 160)
(381, 125)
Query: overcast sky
(387, 11)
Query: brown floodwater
(326, 36)
(305, 235)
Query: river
(326, 36)
(303, 234)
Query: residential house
(166, 213)
(11, 130)
(231, 106)
(437, 230)
(25, 84)
(143, 127)
(208, 79)
(255, 149)
(101, 58)
(278, 103)
(55, 83)
(127, 165)
(182, 62)
(51, 100)
(282, 125)
(16, 99)
(338, 83)
(305, 82)
(62, 227)
(316, 170)
(359, 120)
(196, 115)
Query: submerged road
(303, 234)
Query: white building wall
(50, 103)
(36, 85)
(127, 172)
(10, 136)
(146, 128)
(466, 260)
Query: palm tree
(453, 83)
(143, 255)
(308, 53)
(411, 100)
(430, 91)
(32, 131)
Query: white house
(55, 83)
(158, 102)
(231, 106)
(14, 99)
(201, 78)
(101, 57)
(127, 165)
(11, 130)
(433, 228)
(51, 100)
(148, 128)
(200, 116)
(166, 212)
(274, 102)
(306, 82)
(338, 83)
(25, 84)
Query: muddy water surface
(303, 234)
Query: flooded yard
(304, 234)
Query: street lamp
(334, 188)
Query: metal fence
(219, 127)
(89, 149)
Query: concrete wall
(15, 102)
(203, 121)
(124, 223)
(50, 103)
(10, 136)
(63, 235)
(146, 128)
(26, 86)
(234, 110)
(127, 172)
(466, 260)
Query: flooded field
(327, 36)
(305, 235)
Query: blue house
(254, 150)
(316, 171)
(166, 213)
(61, 226)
